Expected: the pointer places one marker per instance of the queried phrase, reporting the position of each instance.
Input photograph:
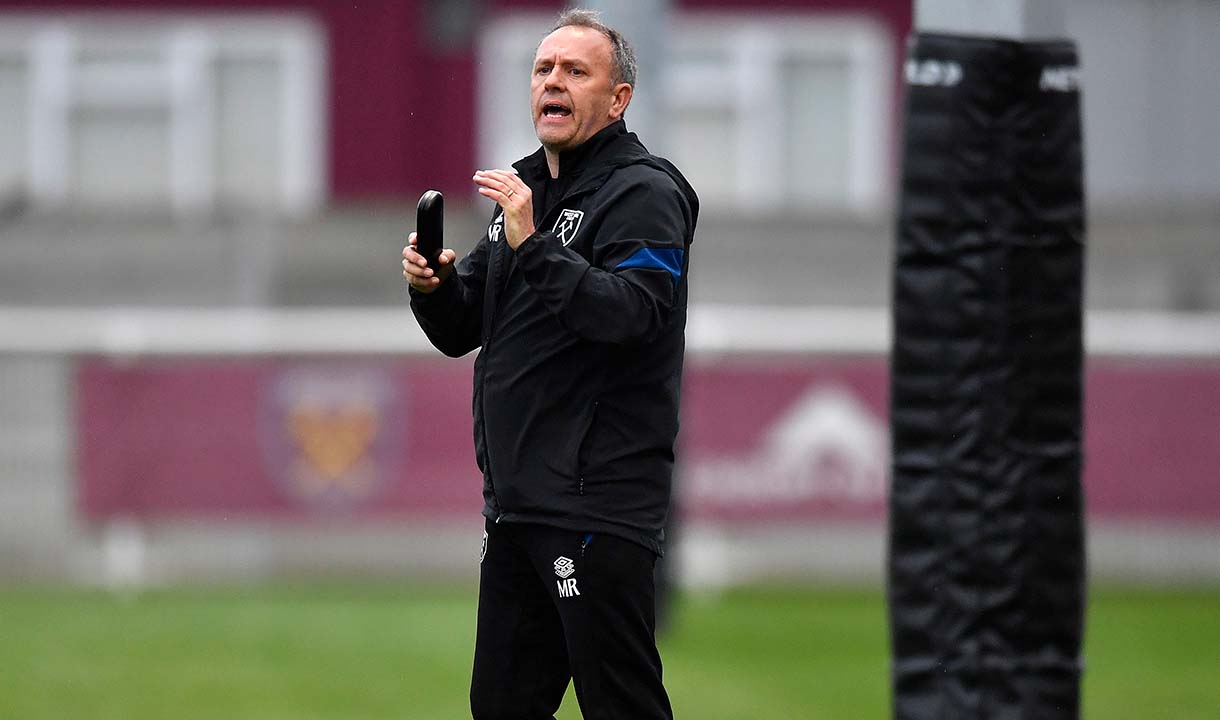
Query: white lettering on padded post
(933, 73)
(1063, 78)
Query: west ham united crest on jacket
(568, 225)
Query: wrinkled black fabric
(579, 374)
(986, 557)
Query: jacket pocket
(585, 449)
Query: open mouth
(555, 110)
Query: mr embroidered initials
(567, 588)
(564, 567)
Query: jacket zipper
(580, 487)
(491, 483)
(490, 320)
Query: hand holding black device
(430, 227)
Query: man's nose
(553, 80)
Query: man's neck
(552, 154)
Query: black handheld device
(430, 227)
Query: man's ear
(622, 98)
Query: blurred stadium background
(209, 375)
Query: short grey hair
(622, 57)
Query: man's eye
(577, 71)
(542, 70)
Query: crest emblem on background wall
(568, 225)
(325, 433)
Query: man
(577, 297)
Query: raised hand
(512, 194)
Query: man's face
(572, 95)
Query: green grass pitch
(365, 652)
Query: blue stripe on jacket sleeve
(668, 259)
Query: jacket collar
(573, 163)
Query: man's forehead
(574, 43)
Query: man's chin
(555, 141)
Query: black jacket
(582, 332)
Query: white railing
(711, 330)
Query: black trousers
(557, 605)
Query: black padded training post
(986, 558)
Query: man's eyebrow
(565, 62)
